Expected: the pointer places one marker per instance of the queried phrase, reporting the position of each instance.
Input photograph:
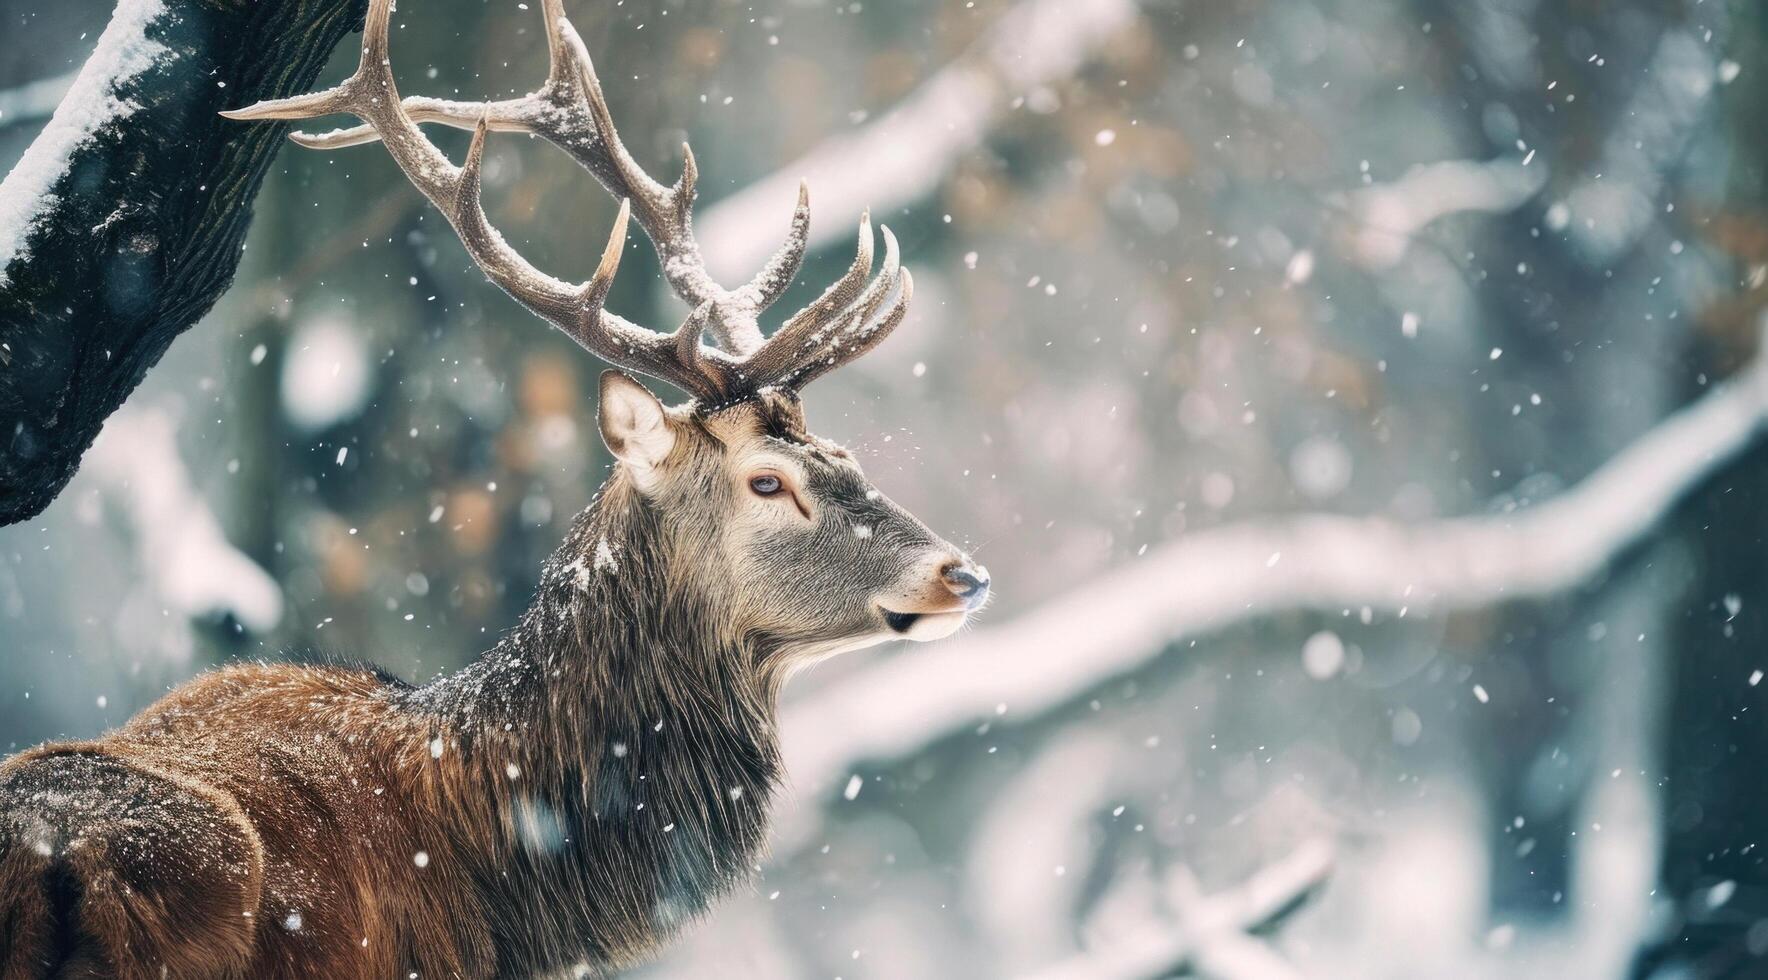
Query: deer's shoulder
(270, 694)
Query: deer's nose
(968, 581)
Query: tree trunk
(125, 220)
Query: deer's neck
(621, 737)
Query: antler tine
(558, 50)
(782, 267)
(694, 355)
(870, 301)
(570, 308)
(801, 335)
(596, 290)
(333, 100)
(579, 312)
(736, 323)
(665, 213)
(504, 115)
(865, 338)
(370, 95)
(842, 292)
(836, 342)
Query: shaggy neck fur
(618, 738)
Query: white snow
(1322, 655)
(185, 556)
(326, 377)
(124, 52)
(580, 574)
(604, 558)
(1300, 267)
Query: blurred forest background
(1469, 274)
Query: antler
(569, 111)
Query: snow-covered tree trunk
(125, 219)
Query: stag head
(806, 556)
(779, 530)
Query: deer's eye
(766, 485)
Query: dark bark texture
(146, 226)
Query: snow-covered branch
(1388, 216)
(1207, 935)
(96, 101)
(124, 220)
(1211, 579)
(904, 154)
(183, 554)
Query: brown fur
(577, 793)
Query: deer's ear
(633, 424)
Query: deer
(565, 803)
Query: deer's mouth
(900, 622)
(923, 626)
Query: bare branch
(1389, 215)
(1209, 935)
